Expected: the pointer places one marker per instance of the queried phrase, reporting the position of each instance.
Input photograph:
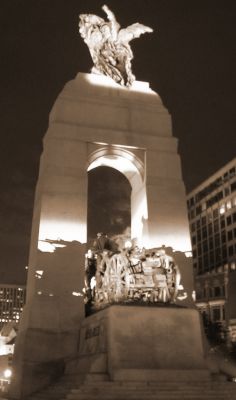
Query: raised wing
(133, 31)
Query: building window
(226, 192)
(233, 187)
(234, 217)
(212, 258)
(211, 243)
(223, 237)
(222, 222)
(191, 201)
(198, 210)
(217, 291)
(223, 313)
(199, 264)
(231, 250)
(205, 246)
(223, 290)
(216, 314)
(224, 253)
(209, 217)
(217, 240)
(229, 220)
(204, 232)
(232, 172)
(216, 226)
(199, 249)
(218, 256)
(210, 229)
(193, 227)
(230, 235)
(205, 262)
(198, 294)
(225, 176)
(215, 213)
(192, 214)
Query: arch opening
(109, 208)
(132, 168)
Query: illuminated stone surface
(143, 343)
(49, 325)
(94, 121)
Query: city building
(212, 217)
(12, 300)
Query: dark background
(189, 60)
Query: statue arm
(114, 24)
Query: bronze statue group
(128, 275)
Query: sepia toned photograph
(118, 200)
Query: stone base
(161, 375)
(142, 343)
(47, 337)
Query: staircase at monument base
(69, 389)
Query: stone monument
(105, 118)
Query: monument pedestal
(142, 343)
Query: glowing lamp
(7, 373)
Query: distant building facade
(12, 300)
(212, 218)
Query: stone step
(175, 396)
(152, 396)
(204, 396)
(97, 378)
(102, 389)
(148, 396)
(131, 395)
(159, 384)
(111, 385)
(151, 388)
(130, 392)
(158, 396)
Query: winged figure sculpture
(109, 45)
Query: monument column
(125, 123)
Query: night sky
(190, 60)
